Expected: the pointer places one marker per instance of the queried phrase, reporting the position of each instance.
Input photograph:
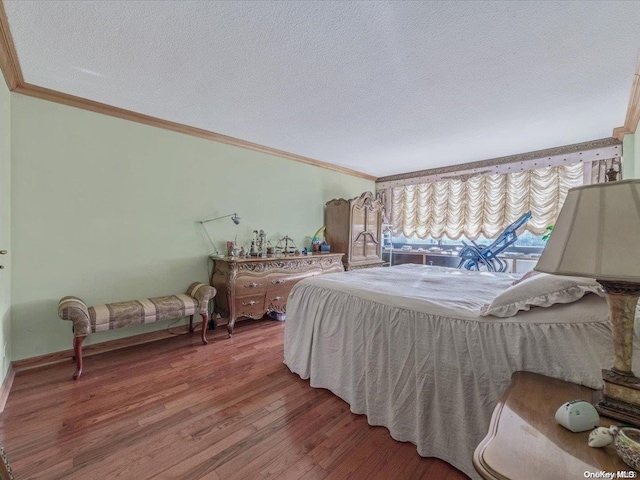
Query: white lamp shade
(597, 234)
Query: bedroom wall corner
(108, 210)
(5, 233)
(630, 162)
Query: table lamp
(597, 235)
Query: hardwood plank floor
(176, 408)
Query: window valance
(482, 204)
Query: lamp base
(620, 398)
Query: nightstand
(525, 442)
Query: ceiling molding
(8, 56)
(97, 107)
(579, 152)
(10, 67)
(633, 109)
(15, 82)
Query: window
(482, 206)
(527, 240)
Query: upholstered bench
(100, 318)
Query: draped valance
(482, 204)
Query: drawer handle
(250, 302)
(275, 299)
(252, 285)
(280, 280)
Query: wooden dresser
(251, 287)
(354, 227)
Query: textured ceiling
(379, 87)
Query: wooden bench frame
(111, 316)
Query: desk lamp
(234, 218)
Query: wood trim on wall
(97, 107)
(8, 56)
(14, 79)
(6, 386)
(15, 82)
(633, 109)
(97, 348)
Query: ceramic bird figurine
(602, 436)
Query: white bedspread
(406, 347)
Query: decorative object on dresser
(596, 236)
(602, 436)
(251, 287)
(234, 218)
(286, 245)
(110, 316)
(259, 244)
(627, 443)
(612, 174)
(354, 227)
(577, 416)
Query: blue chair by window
(474, 256)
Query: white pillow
(529, 274)
(541, 290)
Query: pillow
(529, 274)
(542, 290)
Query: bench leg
(205, 323)
(190, 323)
(77, 350)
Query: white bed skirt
(433, 380)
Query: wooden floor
(178, 409)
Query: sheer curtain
(482, 204)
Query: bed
(407, 347)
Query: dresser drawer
(250, 306)
(275, 303)
(278, 281)
(279, 295)
(246, 285)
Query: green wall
(635, 141)
(630, 164)
(108, 210)
(5, 222)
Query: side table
(525, 442)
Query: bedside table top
(525, 442)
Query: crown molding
(633, 109)
(8, 57)
(14, 79)
(15, 82)
(579, 152)
(97, 107)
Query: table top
(276, 257)
(525, 442)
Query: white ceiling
(379, 87)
